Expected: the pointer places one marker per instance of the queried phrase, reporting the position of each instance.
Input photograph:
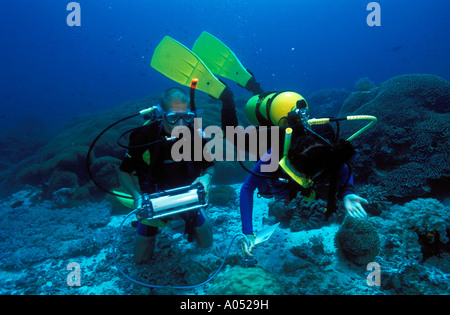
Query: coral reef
(246, 281)
(430, 220)
(326, 102)
(364, 84)
(47, 233)
(404, 157)
(415, 252)
(298, 214)
(35, 260)
(358, 240)
(406, 152)
(376, 196)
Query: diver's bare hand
(352, 204)
(246, 250)
(137, 205)
(205, 180)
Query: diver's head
(309, 156)
(175, 105)
(316, 158)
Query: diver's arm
(253, 86)
(246, 197)
(127, 181)
(206, 179)
(352, 202)
(228, 113)
(246, 208)
(229, 117)
(246, 204)
(345, 182)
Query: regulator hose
(88, 157)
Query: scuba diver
(309, 163)
(312, 159)
(313, 155)
(149, 155)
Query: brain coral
(357, 240)
(406, 152)
(246, 281)
(306, 215)
(298, 214)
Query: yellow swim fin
(220, 59)
(125, 198)
(180, 64)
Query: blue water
(55, 72)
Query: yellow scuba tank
(268, 109)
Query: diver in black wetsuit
(156, 171)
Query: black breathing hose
(88, 157)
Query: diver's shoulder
(147, 132)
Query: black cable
(140, 145)
(88, 157)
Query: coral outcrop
(358, 240)
(406, 152)
(430, 220)
(246, 281)
(298, 214)
(416, 250)
(364, 84)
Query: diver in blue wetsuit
(311, 158)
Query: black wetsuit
(156, 170)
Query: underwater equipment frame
(172, 202)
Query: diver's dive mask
(173, 117)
